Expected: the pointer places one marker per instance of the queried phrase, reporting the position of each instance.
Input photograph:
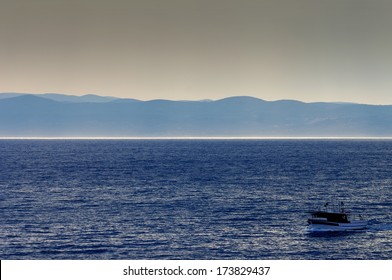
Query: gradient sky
(310, 50)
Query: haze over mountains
(57, 115)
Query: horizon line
(198, 138)
(195, 100)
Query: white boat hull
(354, 225)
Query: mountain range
(59, 115)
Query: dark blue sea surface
(190, 199)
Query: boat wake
(381, 227)
(318, 230)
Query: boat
(335, 219)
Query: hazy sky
(311, 50)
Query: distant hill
(88, 98)
(92, 115)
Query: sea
(191, 199)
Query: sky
(309, 50)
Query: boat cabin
(334, 217)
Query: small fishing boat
(335, 219)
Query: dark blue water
(188, 199)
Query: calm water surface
(188, 199)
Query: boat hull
(330, 226)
